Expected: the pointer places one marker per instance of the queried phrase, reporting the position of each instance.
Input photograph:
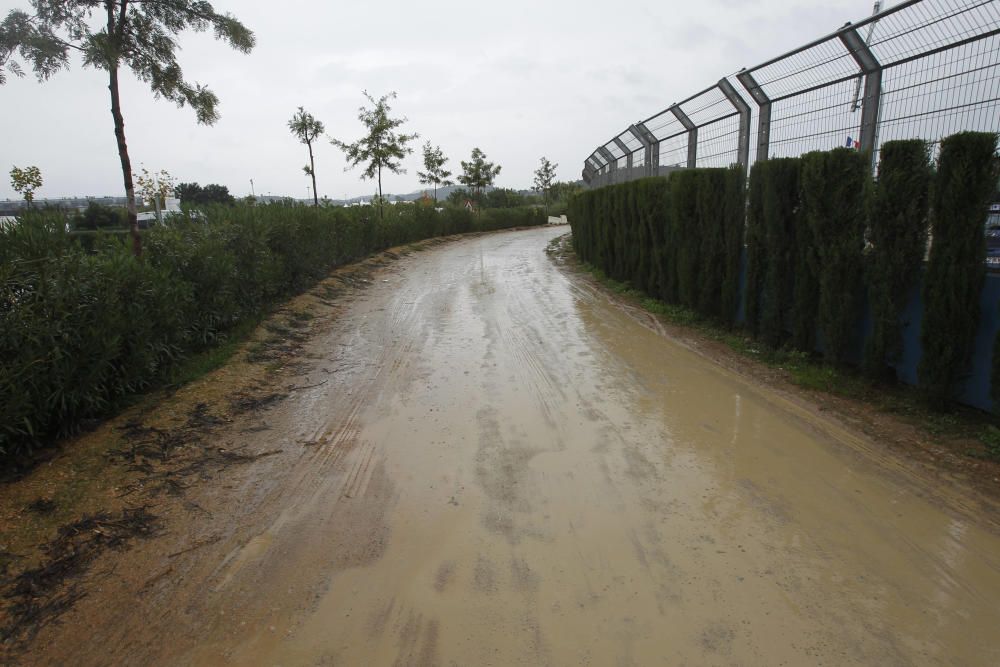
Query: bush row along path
(491, 461)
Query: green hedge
(83, 327)
(675, 238)
(834, 189)
(774, 226)
(966, 177)
(898, 235)
(820, 233)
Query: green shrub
(966, 176)
(898, 235)
(83, 328)
(734, 214)
(774, 233)
(756, 250)
(834, 187)
(98, 216)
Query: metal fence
(920, 69)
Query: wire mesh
(717, 142)
(819, 120)
(706, 107)
(939, 63)
(943, 93)
(917, 28)
(674, 151)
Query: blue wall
(975, 389)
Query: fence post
(763, 113)
(743, 146)
(628, 158)
(646, 145)
(873, 87)
(652, 145)
(692, 130)
(599, 175)
(612, 164)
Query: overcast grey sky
(518, 79)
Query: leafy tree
(137, 34)
(26, 181)
(543, 177)
(194, 194)
(154, 188)
(99, 216)
(560, 191)
(503, 198)
(478, 173)
(306, 128)
(383, 147)
(459, 196)
(436, 174)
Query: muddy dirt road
(502, 467)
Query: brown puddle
(507, 469)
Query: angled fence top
(920, 69)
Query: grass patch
(990, 437)
(203, 363)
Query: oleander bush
(84, 324)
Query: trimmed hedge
(773, 228)
(819, 234)
(81, 329)
(834, 187)
(966, 176)
(673, 238)
(898, 235)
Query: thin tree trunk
(116, 113)
(312, 172)
(381, 213)
(435, 194)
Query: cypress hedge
(898, 235)
(965, 179)
(685, 236)
(733, 217)
(83, 328)
(756, 250)
(779, 228)
(677, 238)
(806, 219)
(834, 188)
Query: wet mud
(486, 461)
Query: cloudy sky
(518, 79)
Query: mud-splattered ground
(483, 460)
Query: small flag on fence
(851, 143)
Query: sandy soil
(482, 459)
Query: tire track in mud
(510, 468)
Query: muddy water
(508, 469)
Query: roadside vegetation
(85, 325)
(965, 431)
(822, 238)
